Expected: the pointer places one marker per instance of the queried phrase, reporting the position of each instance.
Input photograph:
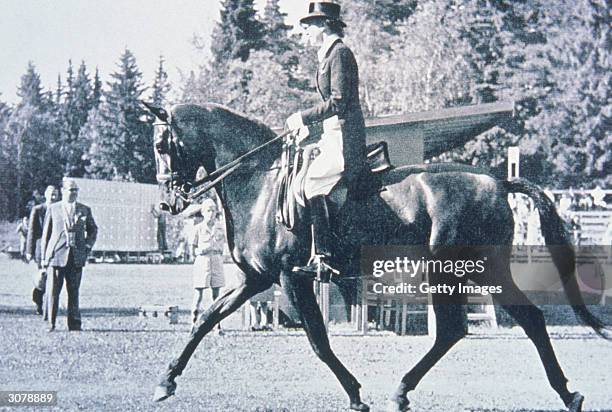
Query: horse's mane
(226, 115)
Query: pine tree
(29, 147)
(276, 36)
(72, 116)
(96, 97)
(161, 85)
(6, 191)
(237, 33)
(59, 91)
(30, 89)
(122, 150)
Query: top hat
(322, 10)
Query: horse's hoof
(359, 406)
(398, 405)
(575, 404)
(163, 391)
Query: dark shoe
(164, 390)
(51, 329)
(575, 403)
(37, 298)
(79, 329)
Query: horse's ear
(160, 113)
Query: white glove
(294, 122)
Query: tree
(237, 33)
(6, 195)
(122, 149)
(29, 148)
(276, 37)
(73, 115)
(96, 97)
(161, 86)
(573, 117)
(30, 89)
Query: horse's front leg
(220, 309)
(301, 294)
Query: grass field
(114, 363)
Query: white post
(276, 310)
(513, 162)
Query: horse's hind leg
(451, 327)
(301, 294)
(220, 309)
(531, 319)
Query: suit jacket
(37, 220)
(338, 85)
(55, 245)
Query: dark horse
(437, 206)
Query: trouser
(72, 274)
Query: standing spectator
(208, 251)
(22, 230)
(68, 236)
(160, 219)
(37, 220)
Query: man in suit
(68, 236)
(37, 220)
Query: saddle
(291, 197)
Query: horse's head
(190, 136)
(175, 170)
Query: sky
(50, 33)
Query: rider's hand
(294, 122)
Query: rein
(189, 191)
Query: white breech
(326, 169)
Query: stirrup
(317, 266)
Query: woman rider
(343, 143)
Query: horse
(438, 206)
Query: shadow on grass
(537, 410)
(90, 312)
(125, 330)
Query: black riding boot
(321, 233)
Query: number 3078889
(28, 398)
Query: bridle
(169, 153)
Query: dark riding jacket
(338, 84)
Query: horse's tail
(561, 249)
